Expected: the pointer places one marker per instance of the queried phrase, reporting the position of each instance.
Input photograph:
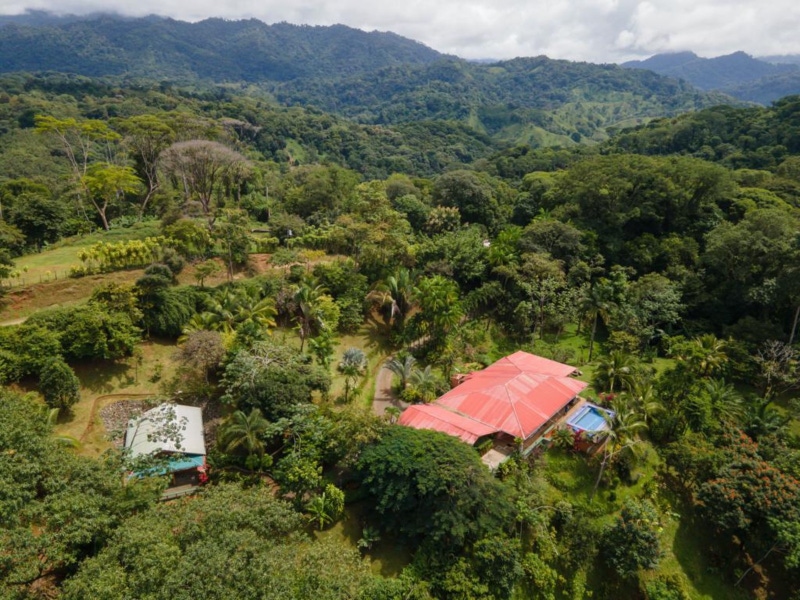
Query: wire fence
(26, 279)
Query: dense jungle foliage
(664, 263)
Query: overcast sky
(590, 30)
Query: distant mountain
(372, 78)
(215, 49)
(538, 100)
(782, 59)
(737, 74)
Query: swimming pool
(589, 418)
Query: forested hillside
(374, 78)
(303, 276)
(216, 49)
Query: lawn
(571, 477)
(103, 383)
(387, 557)
(55, 262)
(372, 338)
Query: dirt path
(384, 398)
(13, 322)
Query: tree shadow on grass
(104, 377)
(704, 570)
(377, 335)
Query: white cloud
(592, 30)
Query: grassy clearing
(387, 557)
(373, 339)
(56, 261)
(23, 302)
(571, 477)
(103, 383)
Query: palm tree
(423, 382)
(402, 368)
(597, 304)
(253, 310)
(622, 432)
(327, 507)
(397, 293)
(352, 366)
(707, 355)
(725, 401)
(613, 371)
(308, 314)
(245, 432)
(642, 395)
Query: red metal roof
(516, 395)
(430, 416)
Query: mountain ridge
(738, 74)
(368, 77)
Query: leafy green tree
(253, 543)
(472, 194)
(272, 377)
(145, 137)
(106, 183)
(90, 332)
(440, 307)
(59, 385)
(83, 141)
(39, 216)
(632, 542)
(57, 508)
(426, 484)
(206, 269)
(232, 234)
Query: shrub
(632, 542)
(59, 385)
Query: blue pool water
(589, 418)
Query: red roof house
(516, 398)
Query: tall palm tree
(242, 431)
(308, 314)
(396, 292)
(621, 435)
(402, 368)
(597, 304)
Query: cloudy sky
(590, 30)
